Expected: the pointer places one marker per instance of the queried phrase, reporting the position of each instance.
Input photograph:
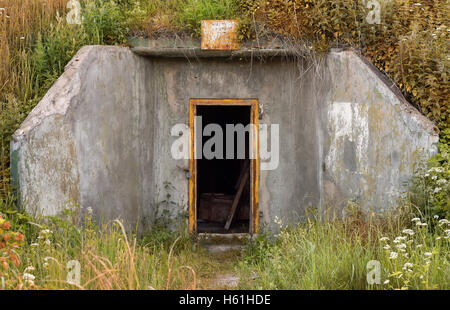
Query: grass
(193, 11)
(322, 253)
(109, 256)
(334, 254)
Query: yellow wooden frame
(254, 163)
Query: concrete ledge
(196, 52)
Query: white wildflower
(447, 232)
(437, 190)
(386, 247)
(407, 266)
(408, 232)
(384, 239)
(434, 177)
(428, 254)
(401, 246)
(393, 255)
(46, 259)
(436, 169)
(419, 246)
(443, 221)
(29, 269)
(416, 219)
(436, 217)
(399, 239)
(28, 276)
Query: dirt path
(224, 255)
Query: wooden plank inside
(236, 199)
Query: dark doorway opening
(223, 184)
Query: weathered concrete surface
(371, 136)
(84, 142)
(101, 136)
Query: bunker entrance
(223, 171)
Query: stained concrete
(101, 135)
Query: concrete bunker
(102, 136)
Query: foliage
(104, 22)
(417, 258)
(190, 14)
(409, 43)
(329, 253)
(429, 191)
(10, 241)
(110, 257)
(257, 248)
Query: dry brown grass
(20, 22)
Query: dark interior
(218, 180)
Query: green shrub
(191, 12)
(51, 54)
(104, 22)
(257, 249)
(409, 44)
(429, 191)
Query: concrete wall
(101, 136)
(371, 136)
(90, 139)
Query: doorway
(224, 165)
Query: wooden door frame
(254, 163)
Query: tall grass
(334, 254)
(108, 256)
(36, 43)
(322, 253)
(192, 12)
(20, 24)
